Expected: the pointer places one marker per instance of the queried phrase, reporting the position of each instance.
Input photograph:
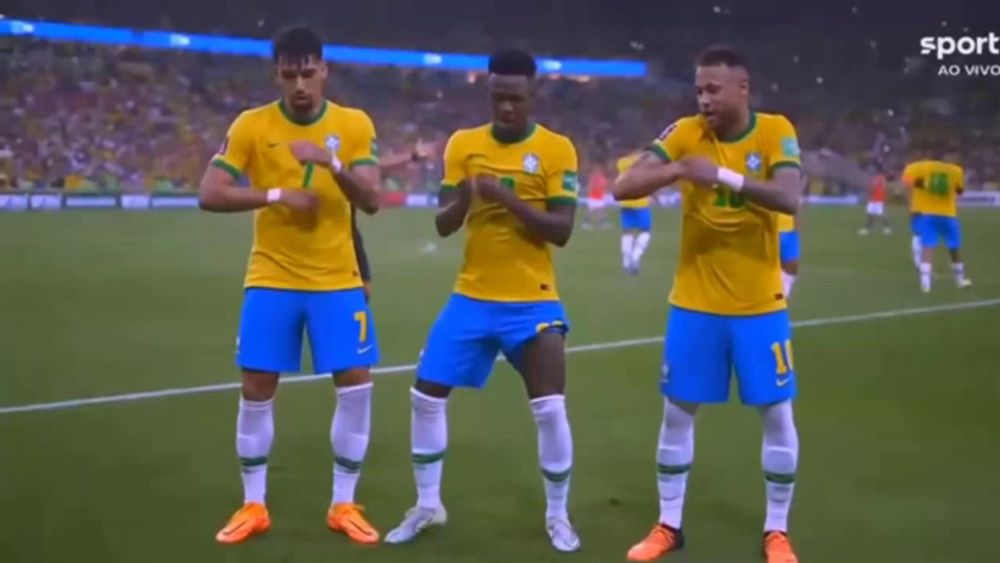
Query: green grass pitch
(897, 416)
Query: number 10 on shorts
(783, 356)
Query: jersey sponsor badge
(531, 163)
(571, 182)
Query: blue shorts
(637, 219)
(788, 246)
(341, 331)
(914, 218)
(469, 333)
(933, 228)
(702, 350)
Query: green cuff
(561, 200)
(784, 164)
(660, 152)
(233, 171)
(363, 162)
(446, 187)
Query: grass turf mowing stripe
(145, 395)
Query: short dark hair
(513, 62)
(722, 55)
(297, 44)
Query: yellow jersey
(934, 187)
(624, 164)
(786, 223)
(729, 261)
(503, 260)
(291, 250)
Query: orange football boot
(251, 519)
(346, 518)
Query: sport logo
(942, 47)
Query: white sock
(779, 458)
(254, 435)
(787, 282)
(349, 435)
(958, 269)
(673, 460)
(925, 276)
(639, 248)
(916, 250)
(628, 239)
(555, 452)
(429, 440)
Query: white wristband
(273, 195)
(335, 163)
(731, 178)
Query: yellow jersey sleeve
(672, 143)
(454, 163)
(237, 148)
(781, 146)
(363, 148)
(911, 173)
(563, 182)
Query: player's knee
(548, 408)
(352, 377)
(679, 416)
(427, 406)
(791, 267)
(431, 389)
(257, 386)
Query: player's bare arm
(219, 193)
(422, 150)
(453, 207)
(554, 223)
(645, 177)
(360, 184)
(781, 193)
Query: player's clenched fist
(304, 201)
(699, 171)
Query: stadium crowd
(87, 117)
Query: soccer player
(735, 168)
(308, 160)
(934, 189)
(876, 207)
(597, 185)
(636, 221)
(514, 184)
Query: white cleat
(863, 231)
(925, 288)
(562, 534)
(965, 283)
(416, 520)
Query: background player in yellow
(636, 222)
(513, 183)
(736, 168)
(308, 161)
(934, 189)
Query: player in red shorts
(876, 207)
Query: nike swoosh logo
(783, 382)
(232, 531)
(364, 350)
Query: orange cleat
(251, 519)
(662, 540)
(347, 519)
(778, 549)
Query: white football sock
(917, 251)
(674, 455)
(925, 276)
(428, 440)
(958, 269)
(779, 458)
(628, 239)
(641, 243)
(349, 434)
(254, 435)
(555, 452)
(787, 282)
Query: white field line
(144, 395)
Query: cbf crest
(754, 163)
(531, 163)
(333, 143)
